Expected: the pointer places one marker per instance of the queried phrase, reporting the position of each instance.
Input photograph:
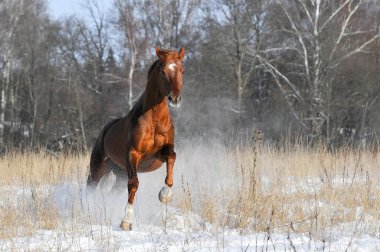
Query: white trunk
(130, 78)
(2, 114)
(7, 69)
(4, 91)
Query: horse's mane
(151, 68)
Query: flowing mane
(151, 68)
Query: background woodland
(300, 69)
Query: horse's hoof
(165, 195)
(126, 225)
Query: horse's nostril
(170, 98)
(179, 98)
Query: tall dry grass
(296, 190)
(27, 182)
(268, 189)
(42, 167)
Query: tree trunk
(4, 92)
(317, 118)
(130, 78)
(240, 90)
(2, 112)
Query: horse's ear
(181, 53)
(158, 52)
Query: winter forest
(300, 69)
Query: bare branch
(334, 14)
(300, 39)
(275, 72)
(359, 49)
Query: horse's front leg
(167, 155)
(133, 184)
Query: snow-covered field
(164, 228)
(331, 204)
(161, 228)
(154, 238)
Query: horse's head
(171, 72)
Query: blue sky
(61, 8)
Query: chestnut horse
(144, 139)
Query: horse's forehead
(172, 66)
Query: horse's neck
(152, 100)
(152, 97)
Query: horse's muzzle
(174, 101)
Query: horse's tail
(97, 165)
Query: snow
(167, 229)
(157, 227)
(154, 238)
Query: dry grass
(26, 192)
(295, 190)
(41, 168)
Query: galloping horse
(144, 139)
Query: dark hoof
(126, 225)
(165, 195)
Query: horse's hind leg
(98, 168)
(133, 184)
(121, 179)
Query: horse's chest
(154, 141)
(154, 133)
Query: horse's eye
(163, 73)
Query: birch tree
(172, 23)
(11, 13)
(134, 37)
(239, 38)
(317, 36)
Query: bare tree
(316, 36)
(130, 25)
(239, 38)
(11, 12)
(172, 23)
(94, 36)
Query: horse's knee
(133, 183)
(172, 156)
(167, 153)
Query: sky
(62, 8)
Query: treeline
(306, 68)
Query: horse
(144, 139)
